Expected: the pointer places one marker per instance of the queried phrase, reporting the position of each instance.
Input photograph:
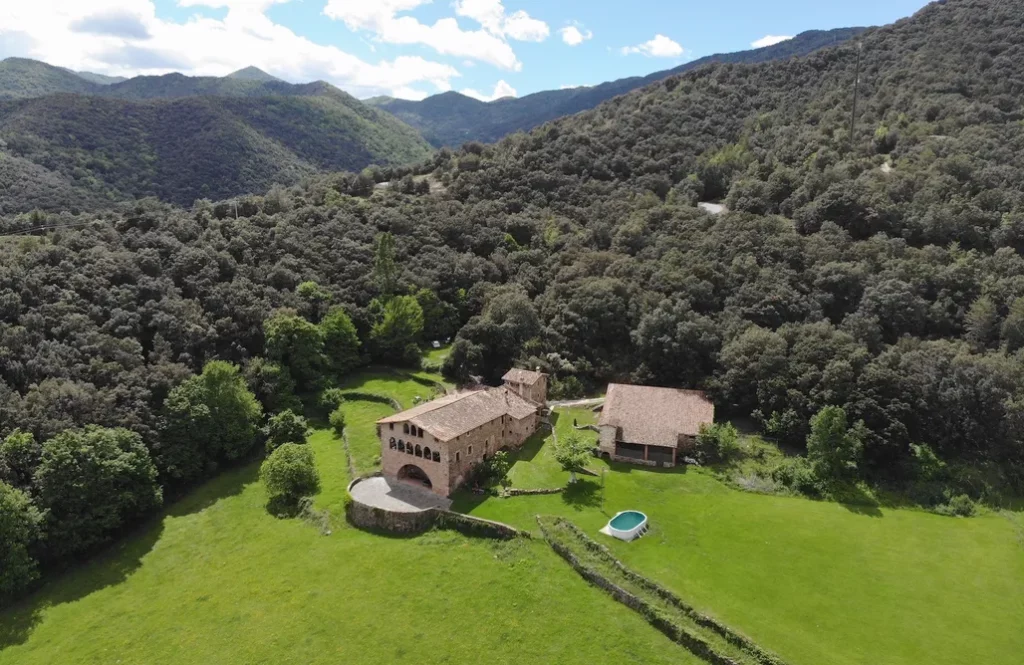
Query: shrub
(337, 420)
(331, 399)
(796, 474)
(959, 506)
(717, 443)
(286, 427)
(289, 475)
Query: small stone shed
(650, 425)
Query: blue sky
(412, 48)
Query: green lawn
(402, 386)
(218, 580)
(360, 426)
(816, 582)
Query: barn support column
(645, 452)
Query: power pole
(856, 92)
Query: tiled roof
(522, 376)
(454, 415)
(655, 416)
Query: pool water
(630, 519)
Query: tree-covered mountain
(451, 118)
(22, 78)
(882, 273)
(77, 151)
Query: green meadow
(217, 580)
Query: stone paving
(397, 496)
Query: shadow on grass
(582, 494)
(116, 563)
(465, 501)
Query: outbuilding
(650, 425)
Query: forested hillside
(21, 78)
(84, 151)
(881, 272)
(451, 119)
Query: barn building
(651, 426)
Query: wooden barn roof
(655, 416)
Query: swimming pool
(627, 525)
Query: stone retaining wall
(379, 520)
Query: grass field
(816, 582)
(218, 580)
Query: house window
(421, 432)
(405, 428)
(391, 426)
(393, 444)
(437, 456)
(458, 456)
(408, 448)
(470, 450)
(419, 451)
(401, 446)
(426, 453)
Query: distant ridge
(452, 118)
(252, 74)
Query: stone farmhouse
(436, 444)
(651, 426)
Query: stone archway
(412, 474)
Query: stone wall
(378, 520)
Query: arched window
(426, 452)
(437, 456)
(419, 451)
(408, 448)
(393, 444)
(401, 446)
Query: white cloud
(659, 47)
(501, 89)
(82, 34)
(490, 14)
(770, 40)
(381, 17)
(574, 36)
(573, 87)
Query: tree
(208, 420)
(337, 419)
(295, 343)
(833, 448)
(314, 299)
(19, 531)
(19, 456)
(385, 269)
(286, 427)
(395, 338)
(717, 443)
(982, 323)
(289, 475)
(498, 466)
(1013, 326)
(90, 483)
(272, 384)
(341, 342)
(571, 452)
(440, 319)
